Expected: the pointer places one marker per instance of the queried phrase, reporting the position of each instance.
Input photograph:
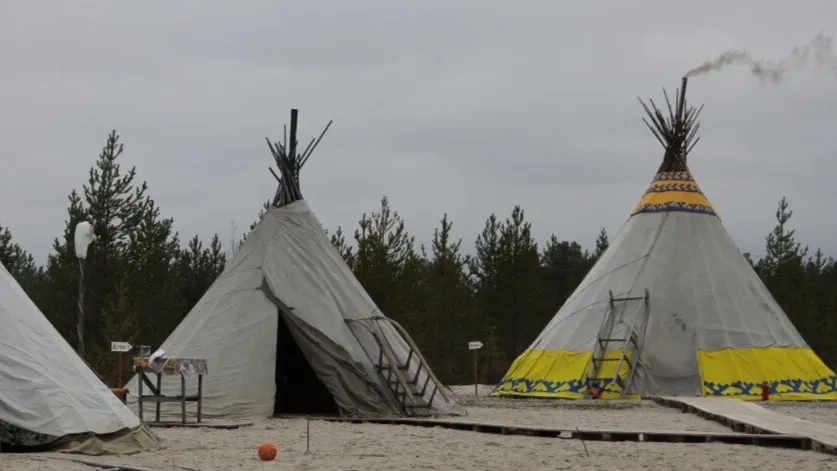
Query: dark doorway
(298, 389)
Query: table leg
(140, 377)
(183, 399)
(200, 396)
(159, 393)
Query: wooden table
(183, 367)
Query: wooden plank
(772, 440)
(743, 415)
(168, 368)
(105, 463)
(200, 425)
(167, 399)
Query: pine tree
(386, 263)
(199, 267)
(602, 244)
(20, 263)
(521, 267)
(445, 321)
(338, 239)
(782, 250)
(264, 209)
(783, 272)
(484, 269)
(506, 271)
(134, 249)
(564, 265)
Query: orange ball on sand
(267, 451)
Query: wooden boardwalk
(178, 424)
(749, 417)
(772, 440)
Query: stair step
(420, 405)
(412, 384)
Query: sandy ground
(336, 446)
(339, 446)
(585, 415)
(40, 462)
(824, 412)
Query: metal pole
(80, 326)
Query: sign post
(475, 347)
(119, 348)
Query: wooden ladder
(407, 391)
(628, 345)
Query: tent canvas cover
(287, 328)
(708, 326)
(49, 397)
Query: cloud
(466, 108)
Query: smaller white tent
(288, 329)
(48, 396)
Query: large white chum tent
(49, 397)
(672, 307)
(288, 329)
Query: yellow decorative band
(560, 374)
(663, 186)
(791, 373)
(674, 191)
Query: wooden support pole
(140, 378)
(292, 144)
(476, 373)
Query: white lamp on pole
(84, 236)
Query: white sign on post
(120, 347)
(474, 345)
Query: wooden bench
(172, 367)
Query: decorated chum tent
(288, 329)
(672, 305)
(49, 397)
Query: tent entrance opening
(298, 389)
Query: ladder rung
(629, 298)
(621, 357)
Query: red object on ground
(267, 451)
(765, 391)
(597, 393)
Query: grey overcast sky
(459, 106)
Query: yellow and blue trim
(559, 374)
(674, 191)
(792, 374)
